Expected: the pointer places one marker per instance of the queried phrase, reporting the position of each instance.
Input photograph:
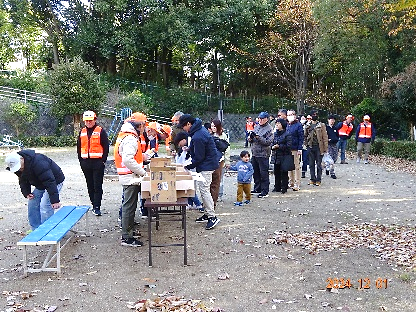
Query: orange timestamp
(363, 283)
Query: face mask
(303, 121)
(314, 118)
(150, 137)
(291, 118)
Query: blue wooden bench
(51, 232)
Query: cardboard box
(163, 185)
(160, 162)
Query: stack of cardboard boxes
(167, 182)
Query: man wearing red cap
(92, 149)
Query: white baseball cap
(13, 162)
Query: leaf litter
(394, 244)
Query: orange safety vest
(250, 126)
(167, 142)
(365, 131)
(91, 147)
(345, 129)
(145, 147)
(121, 168)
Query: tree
(75, 88)
(287, 50)
(20, 116)
(6, 51)
(40, 13)
(400, 94)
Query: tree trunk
(77, 123)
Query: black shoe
(202, 219)
(212, 222)
(303, 174)
(276, 190)
(255, 192)
(284, 191)
(333, 176)
(327, 172)
(131, 242)
(96, 211)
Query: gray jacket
(261, 145)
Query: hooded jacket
(204, 154)
(127, 149)
(41, 172)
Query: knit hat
(282, 122)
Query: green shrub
(46, 141)
(396, 149)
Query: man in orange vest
(92, 149)
(344, 132)
(128, 158)
(365, 135)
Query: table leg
(149, 234)
(185, 250)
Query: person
(332, 132)
(305, 159)
(281, 146)
(345, 129)
(261, 138)
(128, 158)
(166, 132)
(153, 134)
(175, 129)
(45, 175)
(249, 127)
(217, 175)
(282, 113)
(316, 141)
(205, 159)
(182, 140)
(92, 150)
(245, 171)
(272, 121)
(295, 129)
(365, 135)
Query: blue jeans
(39, 208)
(342, 145)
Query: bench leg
(58, 258)
(25, 272)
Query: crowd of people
(290, 143)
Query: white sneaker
(358, 159)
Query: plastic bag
(328, 161)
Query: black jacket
(284, 140)
(333, 136)
(41, 172)
(205, 156)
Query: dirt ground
(278, 253)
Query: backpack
(221, 144)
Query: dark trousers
(94, 176)
(315, 160)
(305, 160)
(281, 178)
(261, 174)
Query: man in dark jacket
(205, 159)
(295, 129)
(261, 139)
(45, 175)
